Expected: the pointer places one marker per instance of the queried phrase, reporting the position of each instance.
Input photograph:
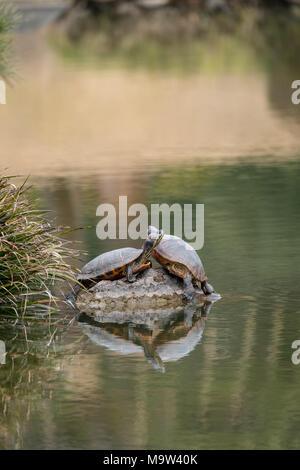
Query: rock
(76, 21)
(127, 9)
(153, 3)
(216, 5)
(154, 290)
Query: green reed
(33, 254)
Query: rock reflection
(163, 336)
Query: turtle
(180, 259)
(116, 264)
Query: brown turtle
(124, 262)
(180, 258)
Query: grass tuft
(33, 254)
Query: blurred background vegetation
(135, 31)
(207, 36)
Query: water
(88, 136)
(34, 14)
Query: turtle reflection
(166, 337)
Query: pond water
(87, 135)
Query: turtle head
(152, 231)
(152, 241)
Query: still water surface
(88, 136)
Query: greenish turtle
(116, 264)
(180, 259)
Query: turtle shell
(108, 262)
(174, 249)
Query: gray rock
(154, 290)
(128, 9)
(76, 21)
(216, 5)
(153, 3)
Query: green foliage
(251, 40)
(32, 252)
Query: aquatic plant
(33, 253)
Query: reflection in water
(65, 119)
(169, 339)
(281, 73)
(238, 387)
(37, 14)
(73, 394)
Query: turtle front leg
(129, 274)
(189, 291)
(142, 269)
